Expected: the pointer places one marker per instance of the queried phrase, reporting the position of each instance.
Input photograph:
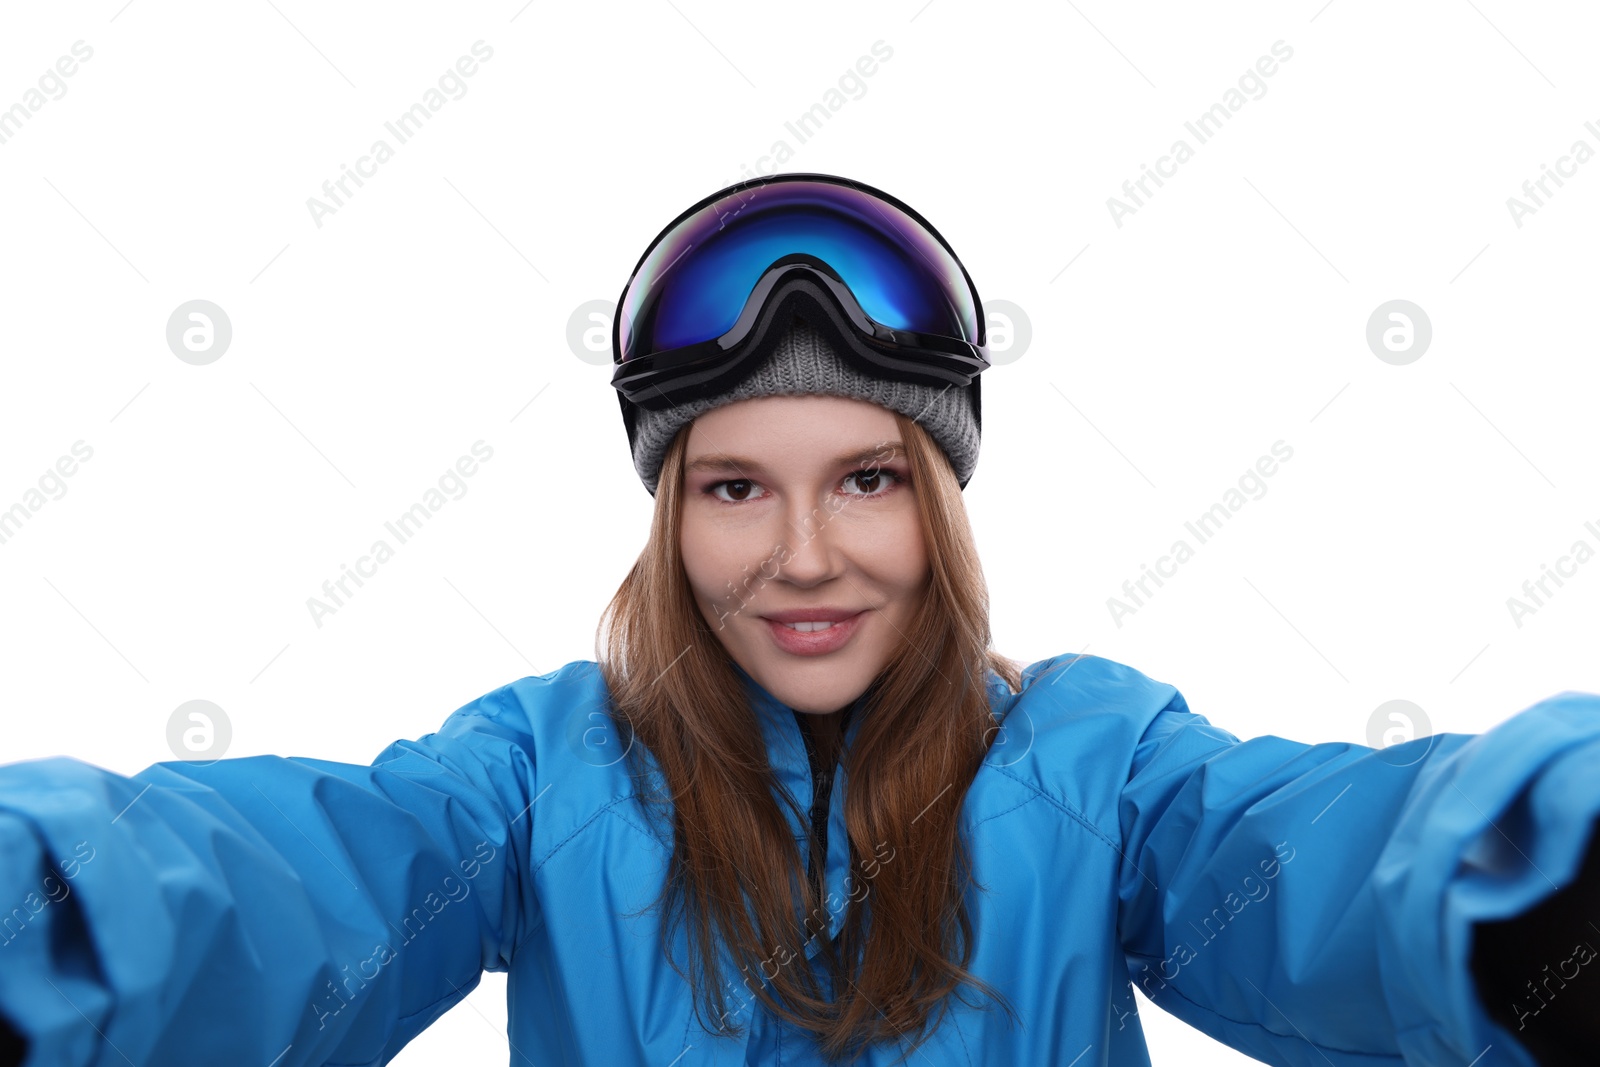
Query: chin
(818, 687)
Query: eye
(870, 479)
(746, 486)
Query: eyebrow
(740, 465)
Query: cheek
(712, 558)
(696, 551)
(915, 570)
(900, 555)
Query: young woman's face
(802, 502)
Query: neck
(826, 731)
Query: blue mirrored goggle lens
(696, 280)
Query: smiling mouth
(814, 637)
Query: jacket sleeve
(267, 910)
(1316, 905)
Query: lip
(817, 642)
(814, 615)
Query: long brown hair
(924, 730)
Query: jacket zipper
(821, 795)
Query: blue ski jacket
(1308, 904)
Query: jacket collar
(785, 745)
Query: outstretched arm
(1320, 904)
(262, 910)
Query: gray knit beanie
(804, 362)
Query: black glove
(13, 1049)
(1558, 1018)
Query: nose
(815, 551)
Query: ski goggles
(697, 314)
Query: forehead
(794, 431)
(768, 418)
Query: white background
(431, 310)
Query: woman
(798, 810)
